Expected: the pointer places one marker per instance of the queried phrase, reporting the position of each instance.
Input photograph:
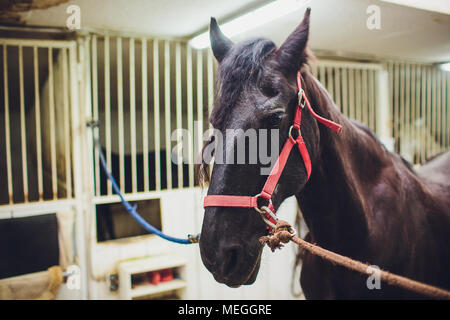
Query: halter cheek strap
(267, 210)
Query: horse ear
(220, 44)
(292, 53)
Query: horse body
(367, 203)
(361, 200)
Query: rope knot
(283, 234)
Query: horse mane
(370, 133)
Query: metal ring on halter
(270, 212)
(299, 132)
(257, 208)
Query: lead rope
(285, 233)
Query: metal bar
(128, 197)
(23, 133)
(52, 125)
(41, 43)
(407, 133)
(390, 70)
(145, 159)
(358, 103)
(330, 86)
(179, 110)
(413, 111)
(396, 105)
(345, 105)
(7, 129)
(383, 112)
(190, 115)
(364, 98)
(337, 85)
(351, 94)
(66, 124)
(107, 111)
(429, 105)
(402, 107)
(387, 99)
(423, 109)
(433, 112)
(322, 74)
(438, 111)
(371, 98)
(133, 117)
(350, 65)
(156, 114)
(418, 76)
(95, 114)
(37, 109)
(120, 128)
(167, 113)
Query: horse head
(257, 91)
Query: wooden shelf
(149, 289)
(132, 267)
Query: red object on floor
(166, 275)
(154, 277)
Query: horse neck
(334, 199)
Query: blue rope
(132, 209)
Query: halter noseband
(267, 211)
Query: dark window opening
(28, 245)
(114, 222)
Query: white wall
(182, 213)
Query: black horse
(361, 200)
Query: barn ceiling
(338, 27)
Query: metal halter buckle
(267, 221)
(299, 132)
(270, 212)
(300, 98)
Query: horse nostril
(231, 260)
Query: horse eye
(269, 91)
(274, 119)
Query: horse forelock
(237, 70)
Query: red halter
(267, 212)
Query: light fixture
(441, 6)
(251, 20)
(445, 66)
